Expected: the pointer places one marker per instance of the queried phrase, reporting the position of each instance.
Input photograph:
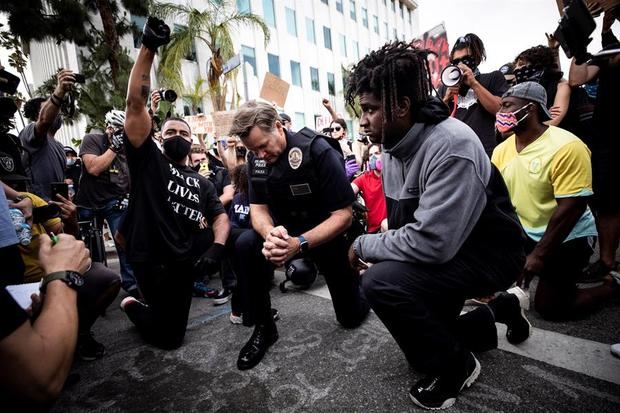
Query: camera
(8, 82)
(574, 31)
(79, 78)
(168, 95)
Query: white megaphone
(451, 76)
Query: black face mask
(177, 148)
(196, 167)
(528, 73)
(241, 151)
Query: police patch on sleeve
(295, 157)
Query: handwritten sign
(274, 89)
(436, 40)
(200, 124)
(222, 122)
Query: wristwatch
(303, 244)
(72, 278)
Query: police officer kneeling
(300, 204)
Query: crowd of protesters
(465, 192)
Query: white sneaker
(615, 349)
(129, 300)
(236, 319)
(522, 295)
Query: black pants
(167, 291)
(557, 288)
(254, 274)
(101, 286)
(420, 304)
(12, 266)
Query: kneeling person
(174, 214)
(300, 205)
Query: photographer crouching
(173, 211)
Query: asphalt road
(318, 366)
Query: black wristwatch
(303, 244)
(72, 278)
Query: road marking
(582, 356)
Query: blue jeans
(113, 217)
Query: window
(386, 31)
(327, 37)
(249, 56)
(402, 11)
(291, 22)
(300, 120)
(393, 6)
(274, 64)
(325, 1)
(331, 84)
(295, 73)
(395, 34)
(138, 21)
(191, 55)
(310, 35)
(409, 13)
(314, 79)
(356, 49)
(352, 12)
(375, 24)
(269, 13)
(343, 45)
(339, 5)
(365, 17)
(243, 6)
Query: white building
(311, 41)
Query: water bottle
(22, 229)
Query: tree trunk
(111, 37)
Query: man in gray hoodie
(453, 232)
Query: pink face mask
(507, 121)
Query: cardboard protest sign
(322, 122)
(274, 89)
(436, 39)
(222, 122)
(200, 124)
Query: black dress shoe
(254, 350)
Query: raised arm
(51, 107)
(137, 121)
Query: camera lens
(168, 95)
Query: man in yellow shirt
(549, 177)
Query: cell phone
(79, 78)
(45, 213)
(59, 188)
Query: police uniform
(301, 188)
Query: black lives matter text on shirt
(169, 206)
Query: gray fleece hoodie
(435, 182)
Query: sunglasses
(336, 129)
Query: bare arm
(137, 120)
(356, 189)
(333, 226)
(221, 228)
(560, 104)
(488, 100)
(95, 165)
(51, 107)
(581, 74)
(36, 358)
(227, 195)
(261, 219)
(330, 108)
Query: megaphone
(451, 76)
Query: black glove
(117, 141)
(209, 262)
(155, 33)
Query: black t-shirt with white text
(169, 206)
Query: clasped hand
(279, 246)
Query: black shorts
(606, 173)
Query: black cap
(285, 118)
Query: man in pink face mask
(369, 184)
(549, 177)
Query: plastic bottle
(22, 229)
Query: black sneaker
(440, 392)
(507, 310)
(254, 350)
(88, 348)
(222, 297)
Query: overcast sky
(506, 27)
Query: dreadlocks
(391, 73)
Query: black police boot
(440, 391)
(254, 350)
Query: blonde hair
(252, 114)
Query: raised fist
(155, 33)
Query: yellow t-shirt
(556, 165)
(30, 253)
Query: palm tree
(196, 94)
(214, 26)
